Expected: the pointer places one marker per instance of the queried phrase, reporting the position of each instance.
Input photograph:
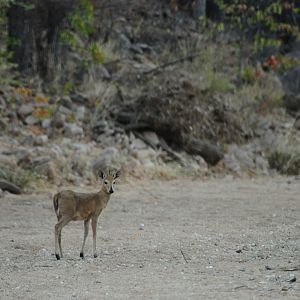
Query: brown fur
(73, 206)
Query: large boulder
(210, 152)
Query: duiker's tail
(55, 204)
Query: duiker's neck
(104, 194)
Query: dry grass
(287, 163)
(19, 177)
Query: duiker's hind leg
(58, 228)
(86, 232)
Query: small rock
(231, 163)
(201, 163)
(80, 113)
(30, 120)
(46, 123)
(72, 130)
(138, 144)
(65, 102)
(292, 278)
(26, 109)
(146, 153)
(245, 157)
(40, 140)
(151, 137)
(141, 227)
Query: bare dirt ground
(218, 239)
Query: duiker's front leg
(94, 228)
(86, 232)
(59, 243)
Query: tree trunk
(200, 9)
(33, 28)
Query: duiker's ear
(101, 174)
(117, 174)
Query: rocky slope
(166, 102)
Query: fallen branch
(171, 63)
(172, 153)
(184, 256)
(210, 152)
(290, 268)
(136, 126)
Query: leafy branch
(79, 33)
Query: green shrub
(78, 35)
(20, 178)
(285, 163)
(219, 83)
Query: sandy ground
(219, 239)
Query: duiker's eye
(114, 182)
(105, 182)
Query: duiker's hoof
(81, 255)
(95, 255)
(57, 256)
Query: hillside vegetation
(158, 88)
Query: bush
(19, 177)
(285, 163)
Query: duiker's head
(109, 178)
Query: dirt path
(220, 239)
